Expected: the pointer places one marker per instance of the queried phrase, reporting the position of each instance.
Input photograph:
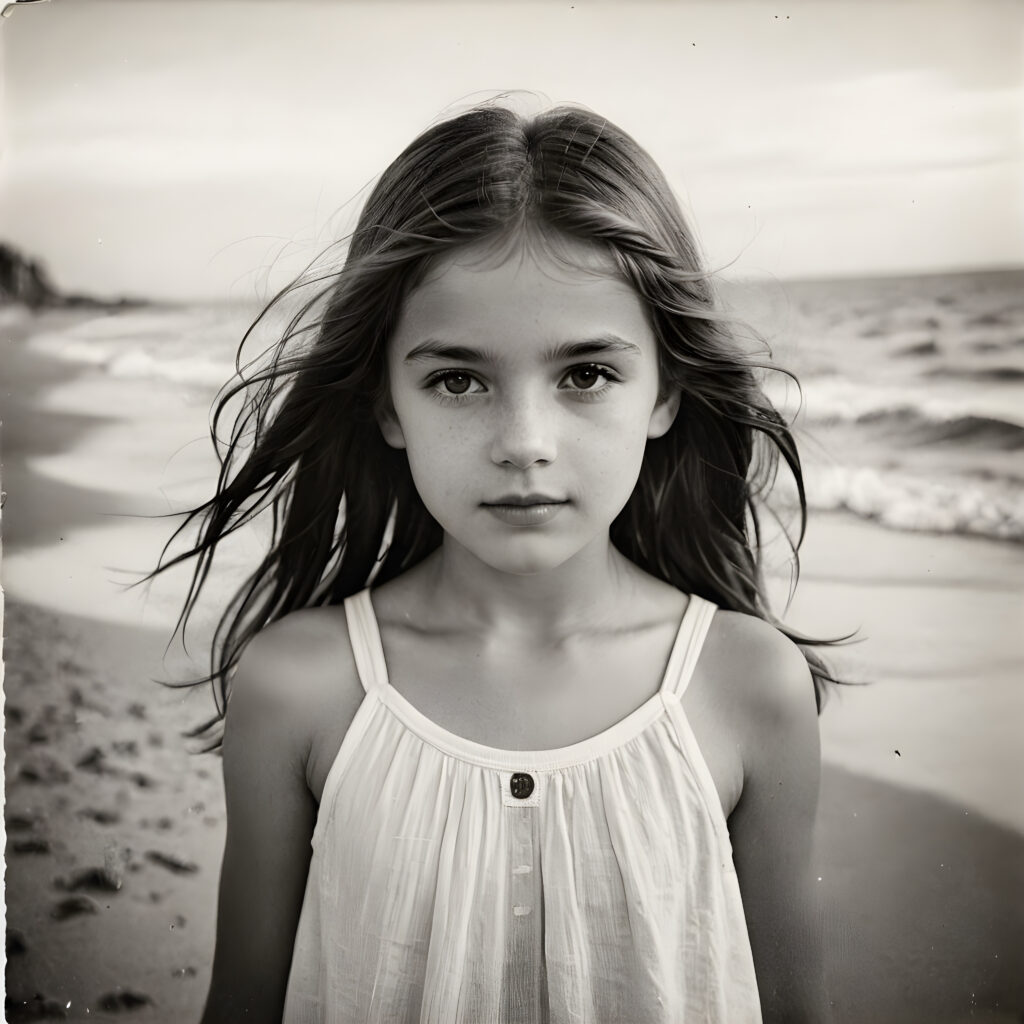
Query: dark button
(521, 785)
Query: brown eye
(585, 377)
(456, 383)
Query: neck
(584, 592)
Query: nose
(524, 434)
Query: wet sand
(114, 830)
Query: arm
(772, 828)
(270, 819)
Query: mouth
(524, 501)
(525, 509)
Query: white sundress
(456, 883)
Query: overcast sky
(179, 147)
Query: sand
(115, 830)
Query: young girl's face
(524, 389)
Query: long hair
(307, 448)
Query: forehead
(521, 289)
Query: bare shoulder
(765, 671)
(760, 684)
(297, 678)
(304, 656)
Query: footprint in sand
(15, 944)
(36, 1008)
(44, 771)
(38, 734)
(172, 863)
(34, 845)
(101, 817)
(79, 700)
(94, 760)
(124, 999)
(74, 906)
(92, 879)
(164, 824)
(20, 823)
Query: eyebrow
(602, 344)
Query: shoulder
(763, 679)
(293, 676)
(764, 665)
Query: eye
(453, 383)
(456, 383)
(590, 377)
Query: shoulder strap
(687, 647)
(364, 636)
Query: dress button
(521, 785)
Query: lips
(525, 509)
(524, 500)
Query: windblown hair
(306, 445)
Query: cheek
(612, 464)
(440, 455)
(623, 436)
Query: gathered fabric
(457, 883)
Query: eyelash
(433, 382)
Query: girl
(508, 728)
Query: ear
(390, 428)
(664, 413)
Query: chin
(531, 556)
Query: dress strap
(688, 644)
(364, 636)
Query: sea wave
(982, 374)
(182, 347)
(200, 371)
(916, 427)
(918, 504)
(921, 412)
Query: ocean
(910, 409)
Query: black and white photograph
(513, 511)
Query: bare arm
(772, 828)
(270, 819)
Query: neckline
(464, 749)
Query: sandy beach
(114, 829)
